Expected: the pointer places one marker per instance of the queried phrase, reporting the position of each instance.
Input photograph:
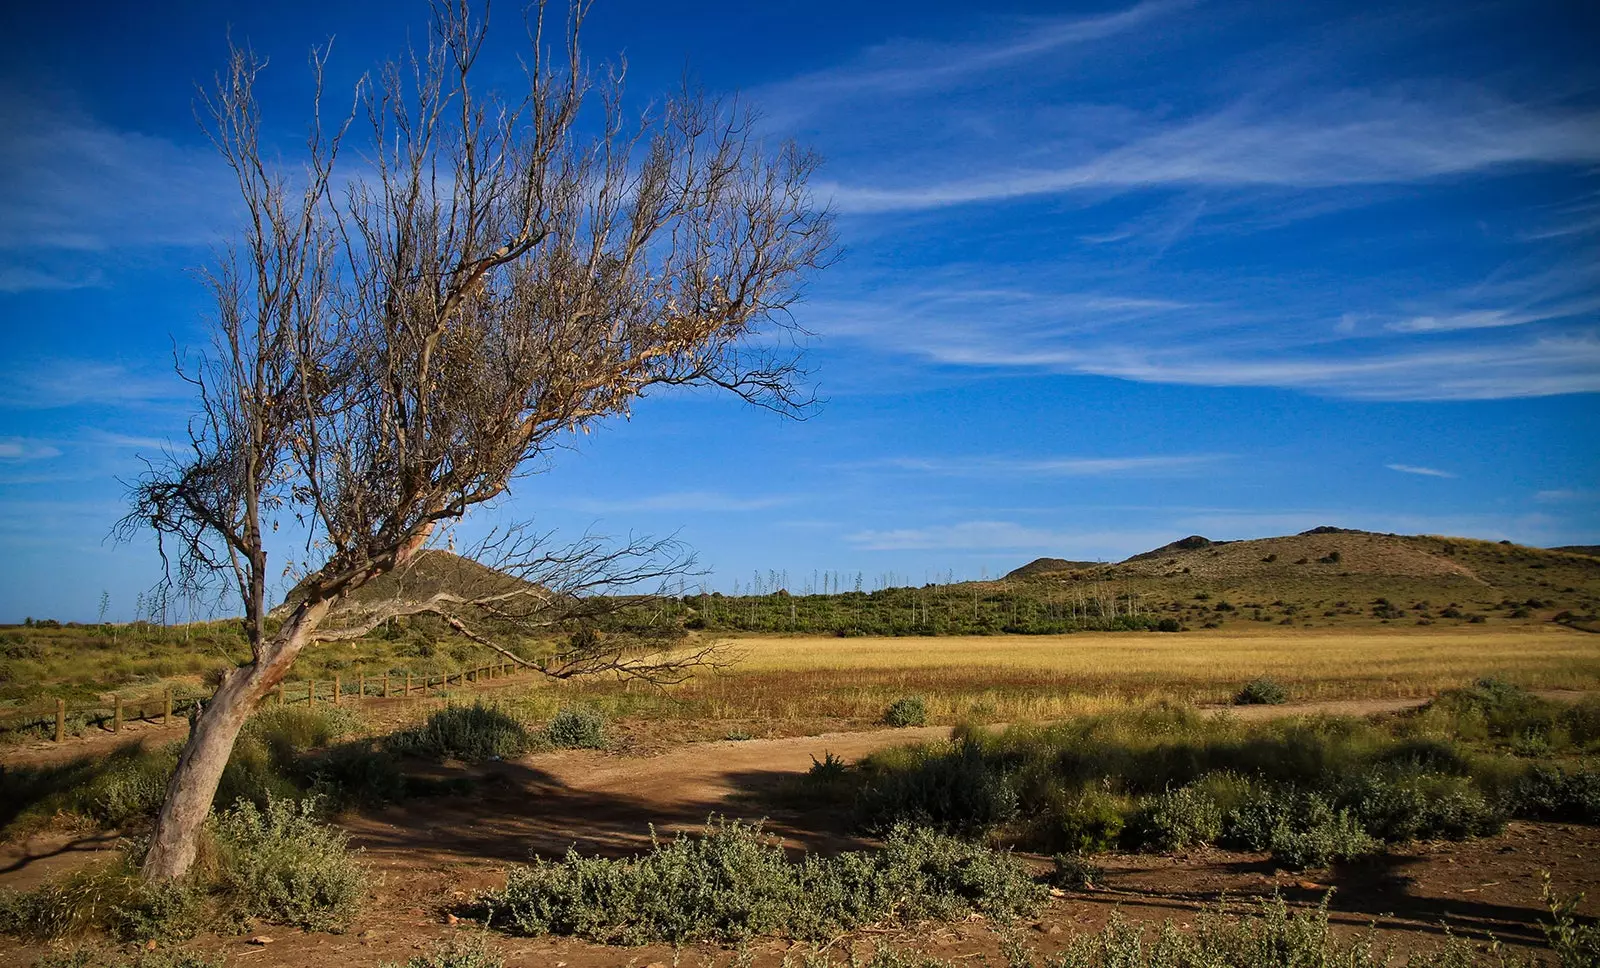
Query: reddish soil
(430, 855)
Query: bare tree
(394, 341)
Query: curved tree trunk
(205, 755)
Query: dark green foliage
(1176, 820)
(951, 787)
(470, 733)
(731, 883)
(1397, 807)
(1088, 823)
(110, 897)
(1318, 836)
(1575, 944)
(1261, 691)
(907, 711)
(1074, 872)
(1553, 793)
(282, 865)
(577, 727)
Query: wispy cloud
(73, 183)
(1422, 471)
(905, 67)
(1008, 467)
(1348, 139)
(45, 384)
(18, 449)
(1565, 495)
(689, 501)
(29, 279)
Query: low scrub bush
(1318, 837)
(471, 733)
(1176, 820)
(577, 727)
(281, 864)
(1421, 806)
(907, 711)
(951, 787)
(160, 958)
(1552, 793)
(109, 897)
(471, 953)
(732, 883)
(1261, 691)
(1074, 872)
(1088, 823)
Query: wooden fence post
(408, 684)
(61, 720)
(361, 685)
(336, 690)
(311, 692)
(166, 709)
(386, 685)
(116, 714)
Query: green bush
(1074, 872)
(949, 786)
(109, 897)
(471, 733)
(577, 727)
(282, 865)
(1176, 820)
(1261, 691)
(472, 953)
(1270, 937)
(1318, 837)
(160, 958)
(1551, 793)
(1421, 806)
(907, 711)
(732, 883)
(1089, 823)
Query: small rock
(261, 939)
(451, 919)
(1308, 885)
(150, 945)
(1057, 892)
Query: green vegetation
(472, 953)
(1309, 790)
(98, 958)
(282, 864)
(907, 711)
(470, 733)
(1261, 691)
(577, 727)
(279, 865)
(733, 883)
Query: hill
(1593, 551)
(1041, 566)
(1337, 575)
(430, 574)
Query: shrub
(282, 865)
(1088, 823)
(907, 711)
(1177, 820)
(472, 953)
(1318, 837)
(1551, 793)
(471, 733)
(577, 727)
(1074, 872)
(1421, 806)
(1261, 691)
(110, 897)
(89, 958)
(1168, 625)
(950, 787)
(731, 883)
(1576, 944)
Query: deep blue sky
(1114, 274)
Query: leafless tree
(395, 338)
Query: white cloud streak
(1420, 471)
(18, 449)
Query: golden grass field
(1031, 677)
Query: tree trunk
(205, 755)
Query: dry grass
(1030, 677)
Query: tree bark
(205, 755)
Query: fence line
(386, 686)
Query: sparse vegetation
(732, 882)
(1261, 691)
(577, 727)
(907, 711)
(465, 732)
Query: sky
(1110, 275)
